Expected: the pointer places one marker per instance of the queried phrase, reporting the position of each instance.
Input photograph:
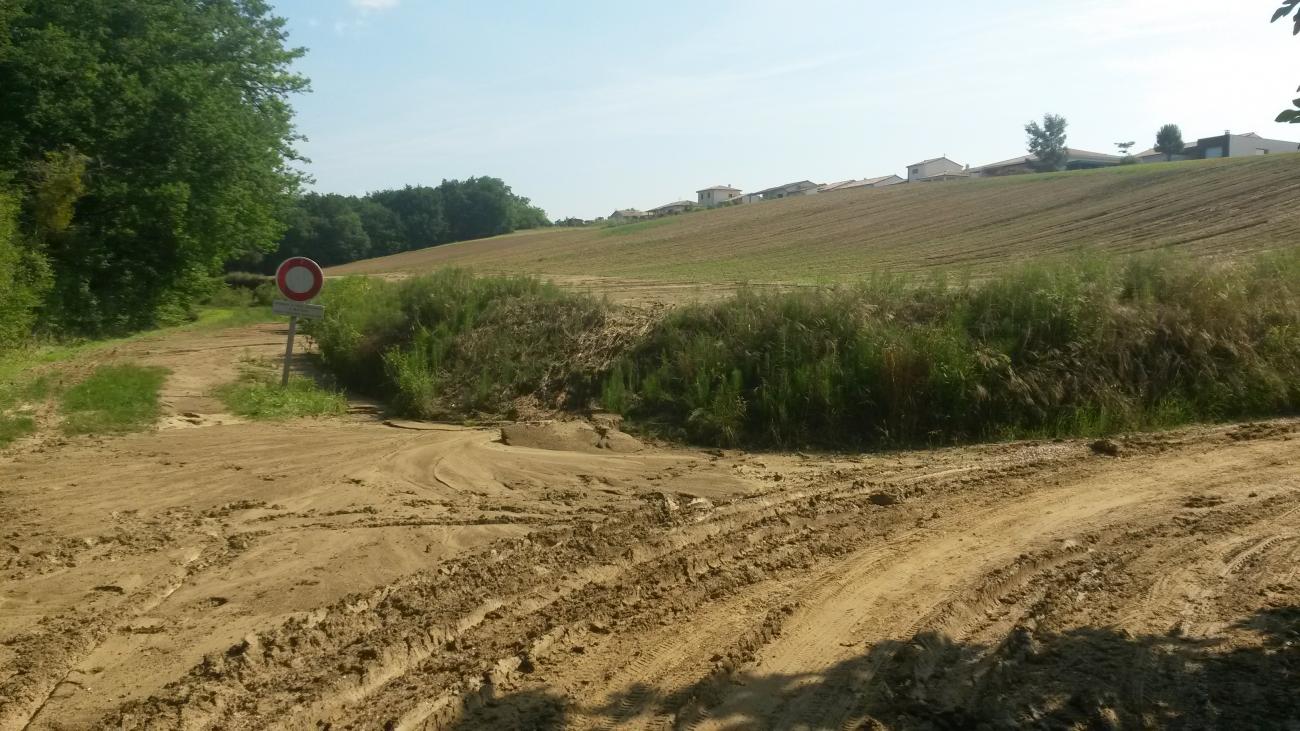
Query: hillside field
(1203, 208)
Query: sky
(586, 106)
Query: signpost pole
(288, 349)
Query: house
(938, 168)
(717, 195)
(789, 190)
(1225, 145)
(672, 209)
(880, 182)
(628, 214)
(1075, 159)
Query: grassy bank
(1079, 347)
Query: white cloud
(368, 5)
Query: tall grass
(451, 343)
(1084, 347)
(1079, 347)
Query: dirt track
(362, 574)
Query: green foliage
(335, 229)
(453, 343)
(1047, 143)
(1079, 348)
(326, 228)
(259, 395)
(157, 135)
(14, 427)
(24, 278)
(114, 399)
(1169, 141)
(1291, 116)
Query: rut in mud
(358, 575)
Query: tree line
(148, 146)
(142, 145)
(336, 229)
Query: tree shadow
(1085, 678)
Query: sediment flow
(370, 574)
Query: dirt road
(362, 574)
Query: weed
(15, 427)
(258, 395)
(114, 399)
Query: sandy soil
(363, 573)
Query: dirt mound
(571, 436)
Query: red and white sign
(299, 278)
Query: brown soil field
(361, 573)
(1202, 208)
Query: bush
(258, 395)
(453, 343)
(24, 277)
(1079, 348)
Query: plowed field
(1200, 208)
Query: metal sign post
(299, 279)
(288, 350)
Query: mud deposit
(361, 575)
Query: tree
(179, 109)
(1290, 115)
(421, 212)
(1047, 143)
(326, 228)
(1169, 141)
(1124, 147)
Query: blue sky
(586, 106)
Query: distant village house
(672, 209)
(628, 214)
(717, 195)
(1074, 160)
(935, 169)
(789, 190)
(1224, 145)
(880, 182)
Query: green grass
(258, 395)
(14, 427)
(113, 400)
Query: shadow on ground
(1088, 678)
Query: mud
(353, 574)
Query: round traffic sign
(299, 278)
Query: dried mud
(355, 574)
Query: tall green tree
(421, 212)
(1288, 6)
(1047, 143)
(180, 109)
(326, 228)
(1169, 141)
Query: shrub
(453, 343)
(1082, 347)
(24, 277)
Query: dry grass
(1206, 208)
